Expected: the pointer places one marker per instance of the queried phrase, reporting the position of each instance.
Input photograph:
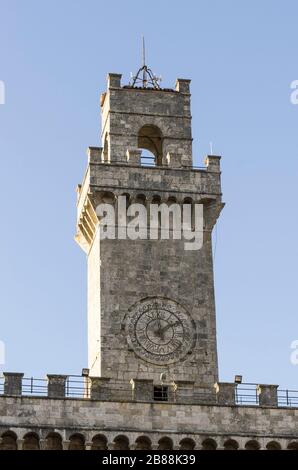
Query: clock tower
(151, 307)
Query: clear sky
(242, 58)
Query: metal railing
(247, 394)
(35, 387)
(287, 398)
(77, 386)
(148, 161)
(151, 162)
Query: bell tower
(151, 307)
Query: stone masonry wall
(133, 270)
(222, 424)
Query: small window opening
(160, 393)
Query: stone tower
(151, 307)
(151, 310)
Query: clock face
(160, 331)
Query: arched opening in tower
(150, 141)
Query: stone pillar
(114, 80)
(183, 85)
(154, 446)
(184, 392)
(43, 444)
(99, 388)
(94, 154)
(267, 395)
(56, 385)
(65, 444)
(13, 383)
(225, 393)
(88, 445)
(173, 160)
(20, 443)
(143, 389)
(133, 156)
(212, 163)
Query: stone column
(56, 385)
(173, 160)
(154, 446)
(114, 80)
(43, 444)
(88, 445)
(143, 389)
(94, 154)
(99, 388)
(183, 85)
(225, 393)
(267, 395)
(20, 443)
(133, 156)
(212, 163)
(65, 444)
(13, 383)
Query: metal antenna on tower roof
(145, 77)
(145, 81)
(144, 56)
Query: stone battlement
(101, 413)
(145, 390)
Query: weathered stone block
(225, 393)
(268, 395)
(114, 80)
(143, 389)
(13, 383)
(133, 156)
(56, 385)
(94, 154)
(99, 389)
(183, 85)
(213, 163)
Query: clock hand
(159, 331)
(165, 328)
(158, 319)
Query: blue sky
(241, 57)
